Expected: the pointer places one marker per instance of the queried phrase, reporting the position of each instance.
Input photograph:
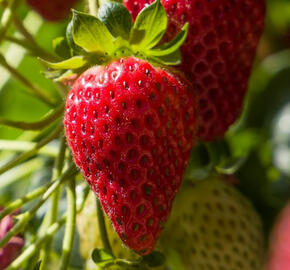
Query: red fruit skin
(130, 127)
(13, 248)
(217, 55)
(52, 10)
(279, 254)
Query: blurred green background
(257, 146)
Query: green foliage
(112, 35)
(117, 19)
(91, 34)
(149, 27)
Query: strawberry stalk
(23, 146)
(7, 17)
(31, 249)
(25, 217)
(32, 88)
(24, 156)
(11, 207)
(52, 214)
(49, 233)
(30, 43)
(70, 225)
(33, 49)
(102, 228)
(50, 117)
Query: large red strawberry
(218, 54)
(52, 10)
(129, 122)
(128, 126)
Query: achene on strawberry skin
(130, 127)
(218, 54)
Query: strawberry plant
(144, 134)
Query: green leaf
(91, 34)
(61, 47)
(171, 46)
(72, 63)
(149, 27)
(75, 49)
(154, 259)
(102, 255)
(117, 19)
(172, 59)
(68, 75)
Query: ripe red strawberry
(218, 54)
(52, 10)
(279, 255)
(213, 226)
(130, 120)
(130, 128)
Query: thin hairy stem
(69, 226)
(33, 89)
(31, 249)
(7, 17)
(11, 207)
(52, 214)
(49, 233)
(33, 48)
(25, 217)
(23, 146)
(22, 157)
(44, 122)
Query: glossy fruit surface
(218, 54)
(130, 127)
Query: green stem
(37, 92)
(22, 157)
(102, 228)
(34, 48)
(69, 226)
(93, 7)
(45, 121)
(11, 207)
(21, 172)
(23, 146)
(125, 263)
(34, 247)
(52, 214)
(7, 16)
(31, 249)
(24, 218)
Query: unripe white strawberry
(214, 227)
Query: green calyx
(98, 40)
